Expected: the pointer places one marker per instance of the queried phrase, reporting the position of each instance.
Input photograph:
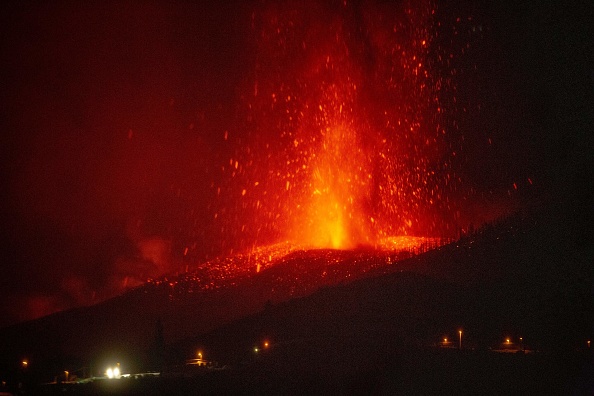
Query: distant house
(447, 343)
(198, 362)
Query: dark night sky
(111, 112)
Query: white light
(113, 372)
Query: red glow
(211, 130)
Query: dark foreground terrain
(520, 291)
(408, 371)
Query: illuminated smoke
(211, 130)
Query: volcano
(354, 184)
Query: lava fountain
(339, 140)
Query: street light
(460, 332)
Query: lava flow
(341, 143)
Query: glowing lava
(344, 144)
(338, 182)
(340, 141)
